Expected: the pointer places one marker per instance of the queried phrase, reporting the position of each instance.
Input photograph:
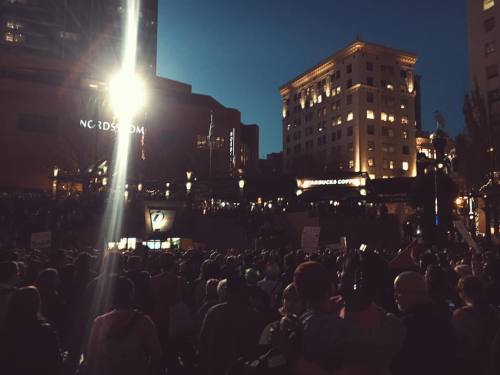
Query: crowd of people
(249, 312)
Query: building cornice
(328, 64)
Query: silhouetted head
(24, 307)
(123, 293)
(410, 290)
(312, 283)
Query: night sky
(240, 52)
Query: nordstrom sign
(111, 127)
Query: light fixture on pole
(241, 184)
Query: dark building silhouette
(86, 30)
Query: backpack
(280, 359)
(119, 353)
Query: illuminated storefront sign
(352, 182)
(110, 126)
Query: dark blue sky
(240, 52)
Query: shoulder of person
(47, 329)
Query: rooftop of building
(355, 46)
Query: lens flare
(127, 97)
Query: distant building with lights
(89, 31)
(356, 111)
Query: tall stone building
(354, 111)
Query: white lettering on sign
(110, 126)
(355, 182)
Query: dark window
(349, 99)
(406, 150)
(337, 74)
(349, 84)
(339, 134)
(382, 68)
(371, 146)
(371, 129)
(385, 131)
(489, 24)
(287, 139)
(349, 131)
(369, 66)
(369, 81)
(369, 97)
(37, 124)
(297, 148)
(349, 68)
(492, 71)
(321, 140)
(403, 73)
(350, 147)
(334, 137)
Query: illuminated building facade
(355, 111)
(55, 115)
(86, 30)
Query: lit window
(391, 164)
(383, 116)
(14, 25)
(405, 166)
(403, 106)
(350, 116)
(390, 87)
(9, 37)
(338, 90)
(489, 48)
(339, 120)
(320, 98)
(371, 162)
(370, 114)
(14, 37)
(487, 4)
(351, 164)
(404, 134)
(371, 146)
(391, 118)
(385, 177)
(404, 120)
(372, 176)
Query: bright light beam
(127, 97)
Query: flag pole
(210, 134)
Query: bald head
(410, 290)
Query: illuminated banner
(110, 126)
(161, 219)
(352, 182)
